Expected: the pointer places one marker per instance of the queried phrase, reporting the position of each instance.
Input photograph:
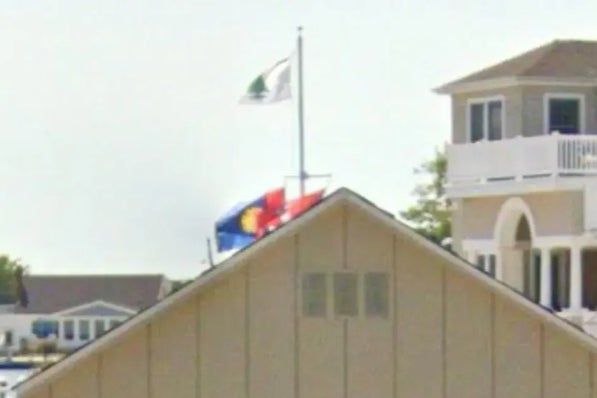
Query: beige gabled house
(522, 174)
(342, 302)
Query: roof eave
(511, 81)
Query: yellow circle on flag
(249, 220)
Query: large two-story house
(522, 174)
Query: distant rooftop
(561, 59)
(52, 293)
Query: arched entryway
(514, 234)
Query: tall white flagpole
(302, 173)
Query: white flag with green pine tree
(273, 85)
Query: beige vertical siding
(445, 334)
(533, 107)
(320, 354)
(125, 368)
(512, 107)
(517, 351)
(172, 348)
(566, 367)
(593, 376)
(419, 323)
(271, 331)
(321, 242)
(369, 341)
(223, 347)
(43, 392)
(524, 109)
(468, 338)
(81, 382)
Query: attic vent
(345, 294)
(376, 294)
(314, 294)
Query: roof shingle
(53, 293)
(558, 59)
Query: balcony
(486, 163)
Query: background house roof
(558, 59)
(52, 293)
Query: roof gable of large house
(235, 264)
(560, 60)
(48, 294)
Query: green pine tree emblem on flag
(273, 85)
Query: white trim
(485, 102)
(513, 207)
(479, 245)
(102, 303)
(564, 95)
(583, 241)
(342, 196)
(503, 82)
(514, 187)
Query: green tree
(8, 281)
(430, 215)
(179, 284)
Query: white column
(545, 296)
(575, 278)
(498, 264)
(75, 330)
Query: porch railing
(521, 158)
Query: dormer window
(564, 113)
(485, 119)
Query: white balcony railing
(521, 157)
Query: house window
(314, 294)
(486, 120)
(376, 294)
(532, 274)
(345, 294)
(69, 329)
(114, 323)
(8, 338)
(491, 264)
(83, 330)
(480, 263)
(100, 327)
(486, 263)
(564, 115)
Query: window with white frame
(485, 119)
(100, 327)
(114, 323)
(69, 329)
(564, 113)
(84, 329)
(487, 263)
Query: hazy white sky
(122, 140)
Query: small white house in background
(74, 309)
